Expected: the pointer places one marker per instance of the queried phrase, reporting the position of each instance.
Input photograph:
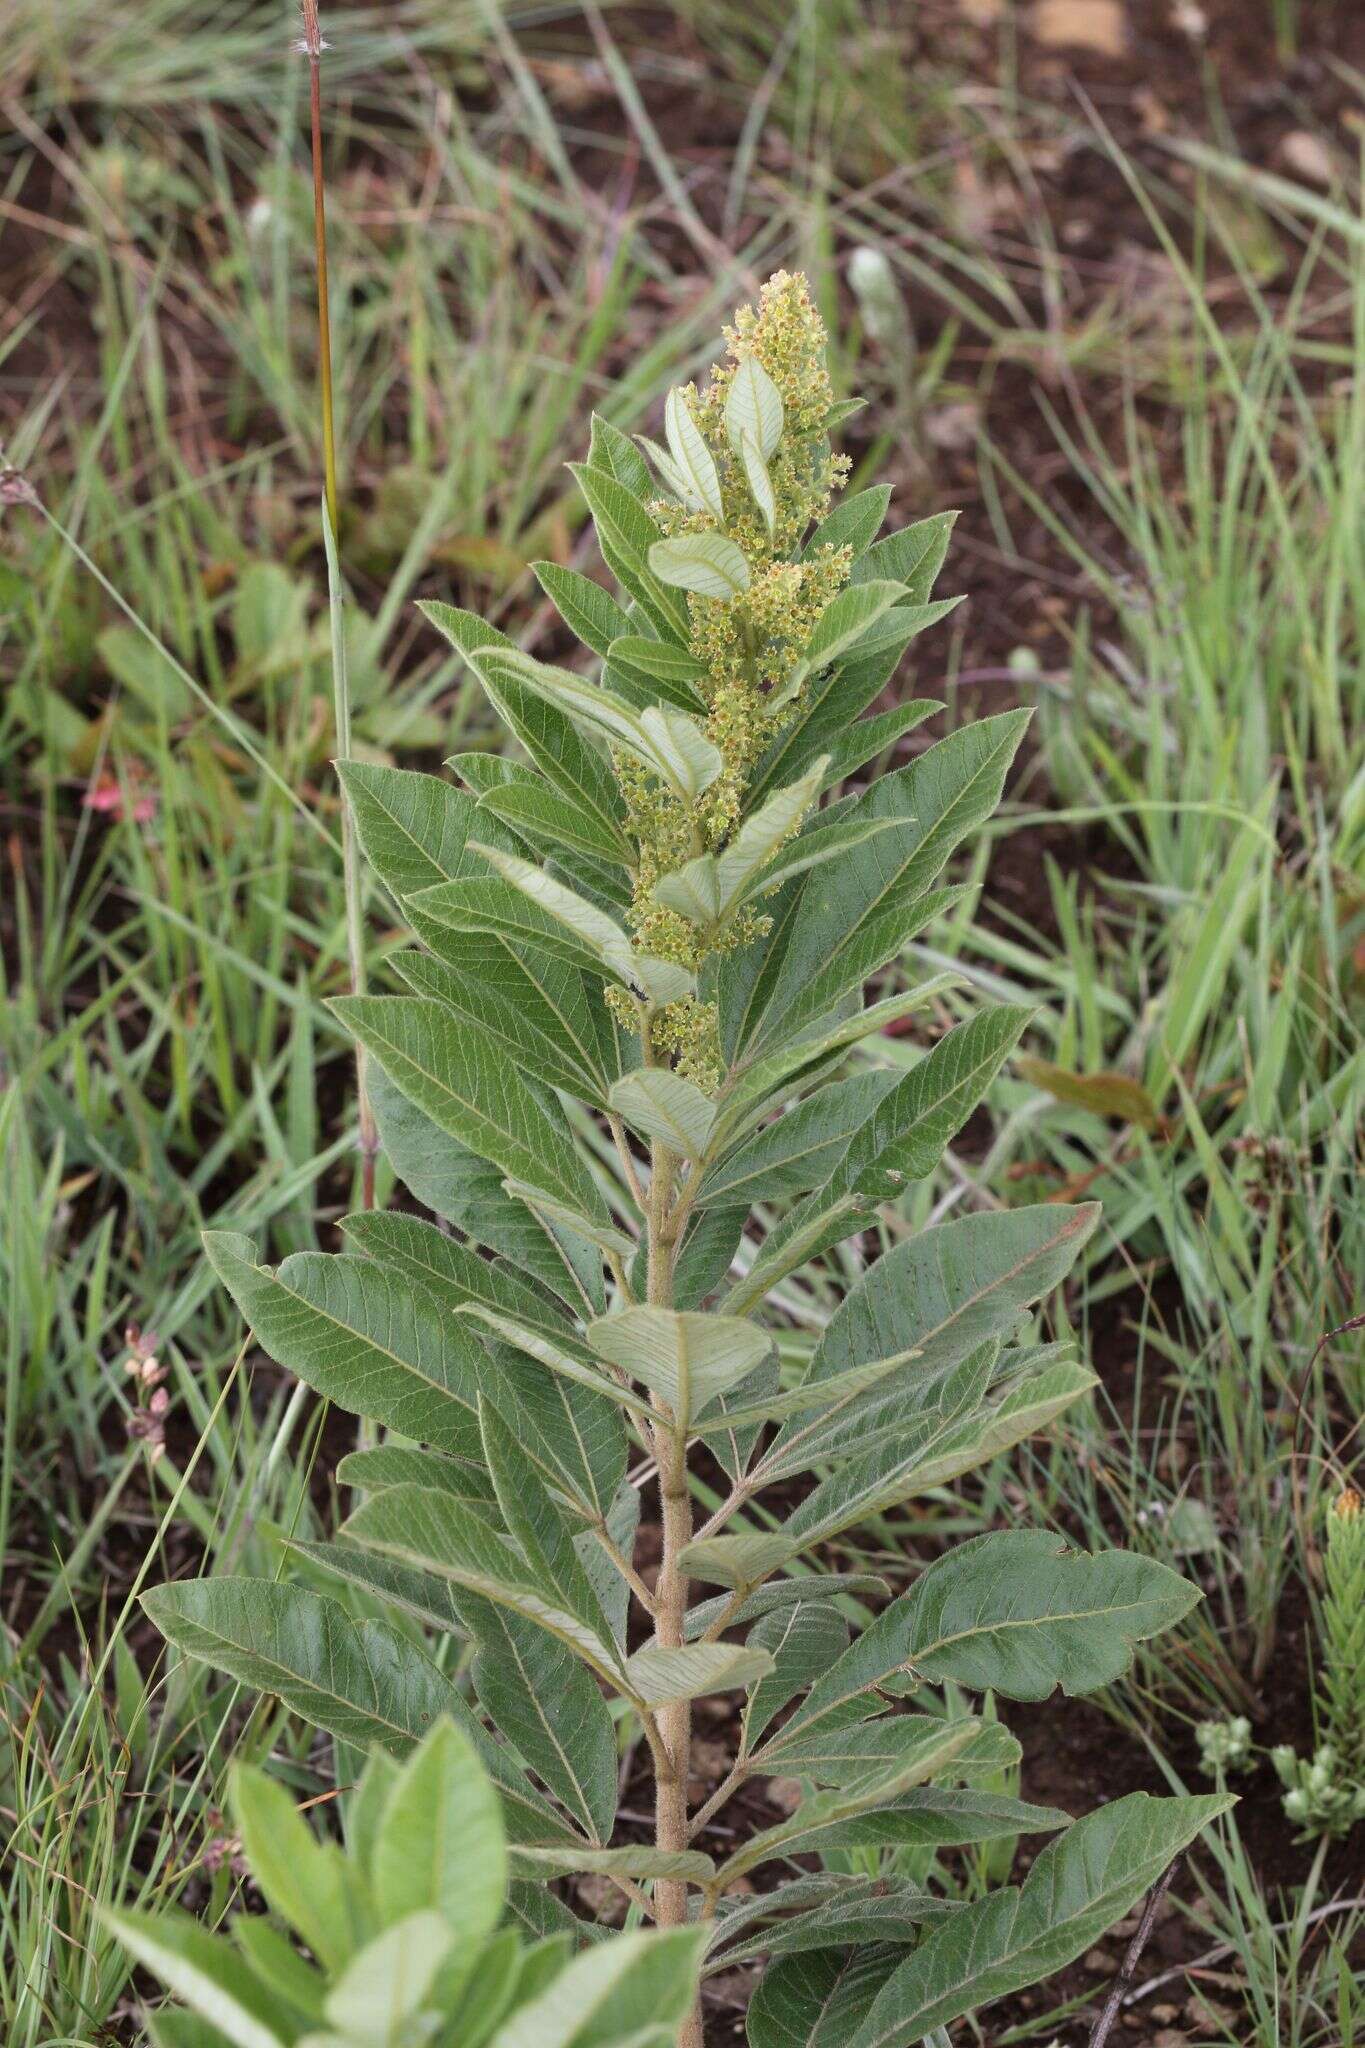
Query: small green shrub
(628, 1036)
(1325, 1795)
(404, 1929)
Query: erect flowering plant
(634, 1076)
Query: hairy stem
(670, 1599)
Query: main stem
(341, 690)
(675, 1502)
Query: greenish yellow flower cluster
(747, 644)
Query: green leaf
(549, 737)
(297, 1987)
(626, 534)
(927, 1817)
(388, 1983)
(465, 631)
(854, 523)
(404, 1465)
(665, 1106)
(904, 1138)
(532, 1008)
(801, 1236)
(468, 1192)
(759, 481)
(739, 1560)
(537, 1526)
(528, 929)
(622, 1529)
(709, 886)
(783, 1593)
(867, 737)
(1078, 1887)
(620, 1991)
(611, 450)
(829, 706)
(591, 707)
(800, 1148)
(840, 1751)
(753, 405)
(371, 1340)
(293, 1872)
(810, 850)
(913, 556)
(551, 1212)
(829, 1818)
(170, 2028)
(849, 1911)
(816, 2000)
(634, 1861)
(553, 820)
(693, 890)
(693, 458)
(481, 771)
(598, 933)
(661, 662)
(755, 1082)
(932, 1301)
(1028, 1404)
(670, 475)
(412, 828)
(684, 1358)
(496, 1986)
(802, 1641)
(709, 1245)
(450, 1270)
(708, 563)
(562, 1355)
(832, 1396)
(840, 627)
(665, 742)
(937, 800)
(657, 1676)
(201, 1969)
(541, 1698)
(590, 612)
(452, 1074)
(574, 1434)
(431, 1601)
(147, 671)
(763, 1915)
(1016, 1613)
(439, 1845)
(489, 904)
(939, 1444)
(427, 1529)
(682, 751)
(360, 1680)
(892, 632)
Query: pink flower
(108, 795)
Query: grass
(518, 236)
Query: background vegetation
(1116, 313)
